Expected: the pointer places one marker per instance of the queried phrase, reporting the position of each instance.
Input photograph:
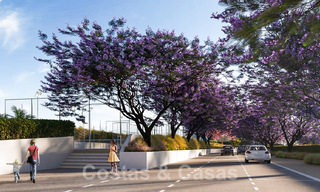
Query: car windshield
(259, 148)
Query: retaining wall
(52, 152)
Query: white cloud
(24, 77)
(11, 34)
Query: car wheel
(246, 161)
(221, 154)
(269, 161)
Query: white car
(257, 152)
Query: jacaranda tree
(123, 69)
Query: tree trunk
(173, 131)
(290, 146)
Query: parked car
(227, 150)
(257, 152)
(241, 149)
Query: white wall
(52, 152)
(148, 160)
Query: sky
(20, 21)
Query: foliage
(312, 158)
(159, 72)
(81, 133)
(181, 142)
(17, 128)
(53, 128)
(33, 128)
(20, 113)
(290, 155)
(300, 148)
(165, 143)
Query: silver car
(257, 152)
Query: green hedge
(34, 128)
(300, 148)
(53, 128)
(16, 128)
(308, 158)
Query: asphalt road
(206, 173)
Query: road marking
(68, 191)
(162, 191)
(178, 181)
(250, 179)
(104, 181)
(183, 177)
(88, 186)
(171, 185)
(303, 174)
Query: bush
(165, 143)
(158, 143)
(137, 145)
(312, 158)
(34, 128)
(181, 142)
(288, 155)
(300, 148)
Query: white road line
(104, 181)
(178, 181)
(183, 177)
(162, 191)
(88, 186)
(303, 174)
(250, 179)
(68, 191)
(171, 185)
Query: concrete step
(85, 160)
(90, 154)
(80, 158)
(91, 151)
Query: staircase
(80, 158)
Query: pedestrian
(16, 169)
(33, 159)
(113, 158)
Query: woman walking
(113, 159)
(34, 160)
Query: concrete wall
(148, 160)
(52, 152)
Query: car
(227, 150)
(241, 149)
(257, 152)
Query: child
(16, 169)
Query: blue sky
(20, 21)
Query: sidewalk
(299, 165)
